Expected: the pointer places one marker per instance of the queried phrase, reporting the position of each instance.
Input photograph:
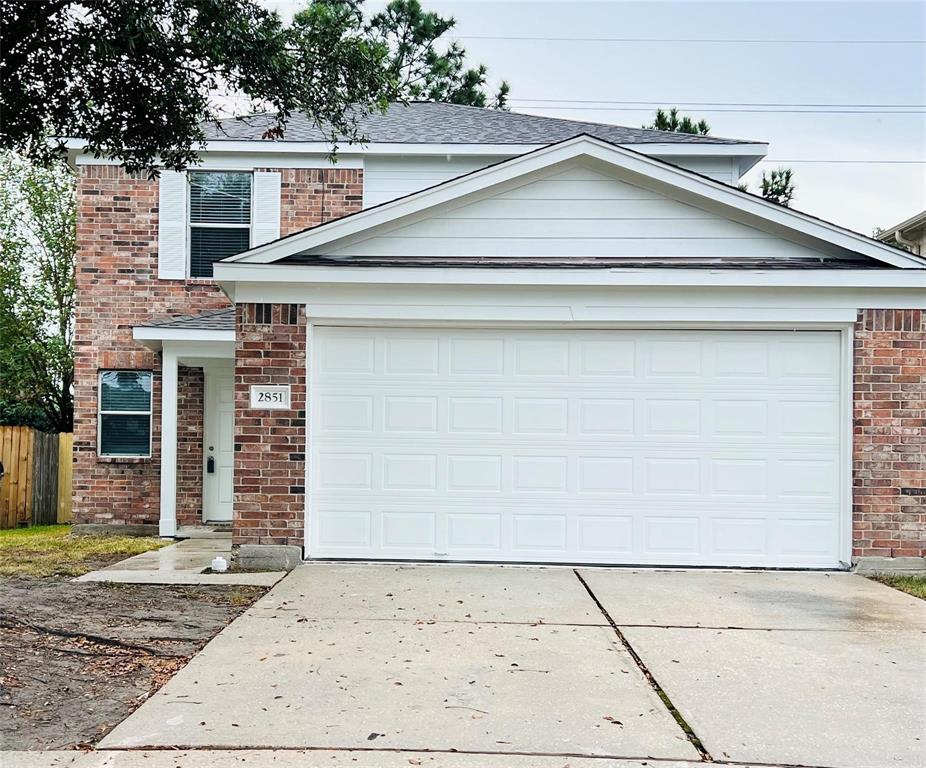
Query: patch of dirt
(77, 658)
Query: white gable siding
(386, 178)
(576, 212)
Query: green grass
(913, 584)
(50, 550)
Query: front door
(219, 446)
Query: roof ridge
(442, 122)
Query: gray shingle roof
(421, 122)
(221, 320)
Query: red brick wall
(270, 445)
(117, 289)
(889, 463)
(310, 196)
(191, 395)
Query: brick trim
(889, 434)
(270, 445)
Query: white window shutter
(265, 210)
(172, 195)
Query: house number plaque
(270, 398)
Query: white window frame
(100, 413)
(190, 224)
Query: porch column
(168, 521)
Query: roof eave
(751, 152)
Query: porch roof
(216, 325)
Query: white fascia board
(230, 161)
(631, 161)
(154, 333)
(228, 275)
(322, 151)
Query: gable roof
(688, 185)
(428, 122)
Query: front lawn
(912, 584)
(50, 550)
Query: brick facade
(311, 196)
(270, 445)
(117, 289)
(889, 462)
(191, 400)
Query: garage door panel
(676, 447)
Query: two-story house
(495, 337)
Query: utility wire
(673, 103)
(711, 40)
(852, 162)
(736, 110)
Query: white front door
(687, 447)
(219, 445)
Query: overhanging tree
(37, 252)
(136, 79)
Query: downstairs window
(124, 422)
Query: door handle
(210, 465)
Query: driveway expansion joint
(673, 710)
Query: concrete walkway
(509, 663)
(182, 563)
(263, 758)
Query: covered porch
(196, 419)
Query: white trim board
(756, 149)
(231, 275)
(634, 167)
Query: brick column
(270, 348)
(889, 462)
(191, 397)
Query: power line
(711, 40)
(716, 103)
(851, 162)
(769, 111)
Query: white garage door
(662, 447)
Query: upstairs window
(125, 413)
(220, 218)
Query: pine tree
(778, 187)
(671, 121)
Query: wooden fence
(36, 485)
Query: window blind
(125, 413)
(209, 245)
(220, 218)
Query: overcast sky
(643, 67)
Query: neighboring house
(494, 337)
(909, 234)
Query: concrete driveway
(554, 664)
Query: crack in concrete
(664, 697)
(718, 627)
(645, 759)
